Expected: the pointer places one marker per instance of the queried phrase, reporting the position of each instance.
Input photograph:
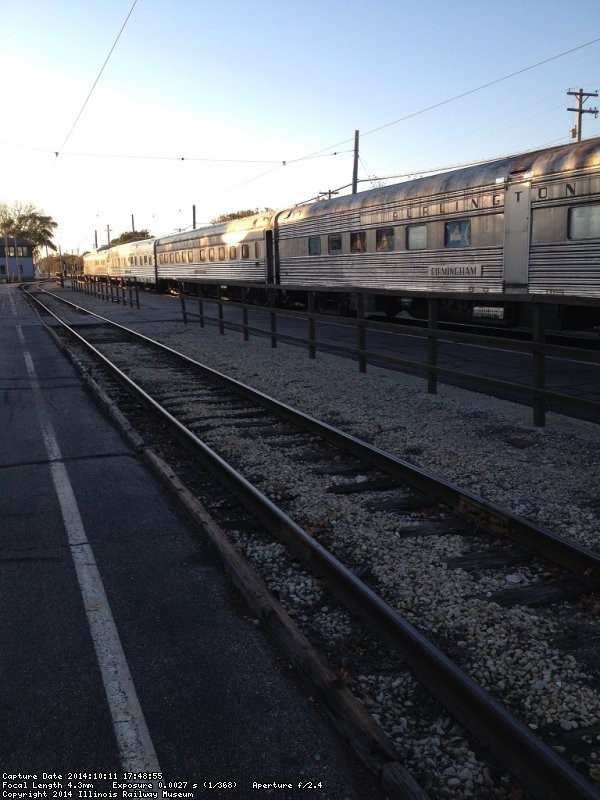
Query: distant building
(16, 260)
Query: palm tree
(28, 223)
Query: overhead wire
(322, 153)
(425, 110)
(81, 110)
(281, 163)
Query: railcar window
(584, 222)
(256, 249)
(245, 251)
(314, 245)
(202, 255)
(458, 233)
(358, 242)
(221, 254)
(190, 256)
(211, 253)
(335, 243)
(416, 237)
(177, 256)
(232, 253)
(183, 258)
(384, 240)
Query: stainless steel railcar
(528, 223)
(240, 250)
(134, 260)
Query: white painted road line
(133, 739)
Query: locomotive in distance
(526, 224)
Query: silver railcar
(132, 260)
(526, 223)
(239, 250)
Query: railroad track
(235, 433)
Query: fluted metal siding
(399, 270)
(565, 268)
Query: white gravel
(549, 475)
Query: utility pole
(108, 235)
(355, 169)
(580, 110)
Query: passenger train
(526, 224)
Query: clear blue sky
(236, 88)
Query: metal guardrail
(432, 331)
(536, 393)
(114, 291)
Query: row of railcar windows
(210, 253)
(456, 234)
(584, 223)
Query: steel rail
(533, 763)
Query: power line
(284, 162)
(68, 136)
(462, 94)
(280, 163)
(485, 86)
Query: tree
(239, 215)
(131, 236)
(25, 221)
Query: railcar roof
(549, 161)
(254, 222)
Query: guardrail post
(272, 299)
(539, 366)
(221, 325)
(182, 301)
(200, 307)
(312, 326)
(361, 332)
(432, 346)
(245, 313)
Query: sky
(119, 111)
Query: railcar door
(272, 276)
(517, 214)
